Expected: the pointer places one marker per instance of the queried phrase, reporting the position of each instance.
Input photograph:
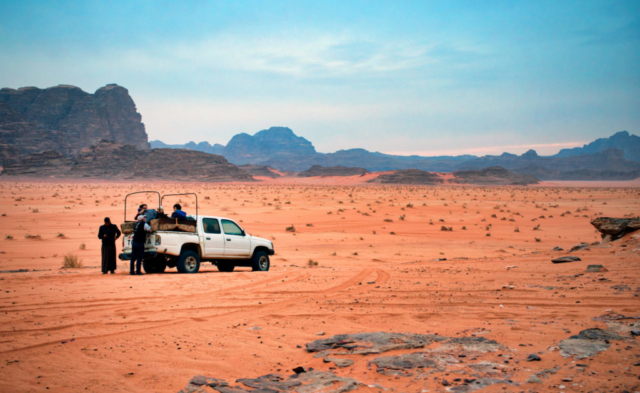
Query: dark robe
(109, 246)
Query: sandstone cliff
(66, 119)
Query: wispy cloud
(306, 56)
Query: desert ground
(362, 259)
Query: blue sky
(405, 77)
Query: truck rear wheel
(226, 267)
(260, 262)
(189, 262)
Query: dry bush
(83, 246)
(8, 237)
(71, 261)
(33, 237)
(290, 229)
(312, 263)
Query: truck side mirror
(243, 232)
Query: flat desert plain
(479, 298)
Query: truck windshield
(231, 228)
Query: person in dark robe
(108, 233)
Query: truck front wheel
(260, 262)
(189, 262)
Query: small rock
(596, 269)
(299, 370)
(568, 379)
(566, 259)
(320, 333)
(445, 382)
(533, 358)
(635, 333)
(558, 249)
(581, 246)
(534, 379)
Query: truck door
(213, 238)
(236, 242)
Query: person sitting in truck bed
(160, 213)
(177, 212)
(141, 210)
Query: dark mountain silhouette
(66, 119)
(275, 142)
(599, 166)
(204, 147)
(629, 144)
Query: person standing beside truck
(177, 212)
(108, 233)
(140, 230)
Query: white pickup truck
(187, 243)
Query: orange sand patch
(377, 249)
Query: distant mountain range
(62, 121)
(616, 157)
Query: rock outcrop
(615, 228)
(108, 160)
(493, 176)
(66, 119)
(408, 176)
(259, 170)
(318, 170)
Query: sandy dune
(380, 268)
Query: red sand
(79, 330)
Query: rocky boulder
(615, 228)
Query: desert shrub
(464, 228)
(71, 261)
(538, 240)
(35, 211)
(34, 237)
(8, 237)
(488, 234)
(409, 205)
(312, 263)
(206, 198)
(290, 229)
(402, 217)
(309, 225)
(537, 227)
(83, 246)
(388, 220)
